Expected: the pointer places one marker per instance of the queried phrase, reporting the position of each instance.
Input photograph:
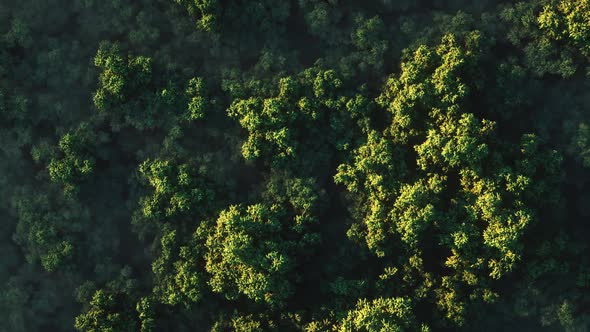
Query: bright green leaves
(251, 119)
(326, 84)
(122, 77)
(505, 225)
(247, 255)
(550, 36)
(466, 206)
(291, 125)
(111, 308)
(411, 90)
(431, 80)
(178, 276)
(197, 103)
(272, 123)
(374, 174)
(130, 95)
(176, 213)
(374, 163)
(251, 251)
(127, 96)
(104, 316)
(123, 83)
(145, 309)
(550, 21)
(456, 141)
(177, 190)
(414, 210)
(245, 323)
(568, 20)
(255, 249)
(455, 60)
(382, 315)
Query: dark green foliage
(45, 231)
(110, 309)
(77, 160)
(206, 11)
(297, 165)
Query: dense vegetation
(296, 165)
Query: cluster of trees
(301, 165)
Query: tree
(130, 95)
(206, 11)
(290, 126)
(567, 20)
(300, 165)
(254, 250)
(244, 259)
(526, 30)
(382, 314)
(76, 163)
(369, 39)
(181, 196)
(453, 224)
(111, 308)
(180, 281)
(46, 234)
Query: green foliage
(536, 29)
(104, 315)
(582, 143)
(284, 128)
(382, 314)
(300, 165)
(130, 95)
(206, 11)
(180, 281)
(177, 190)
(252, 251)
(145, 309)
(247, 255)
(110, 309)
(197, 103)
(45, 233)
(244, 323)
(321, 17)
(568, 20)
(214, 16)
(370, 41)
(122, 78)
(76, 163)
(462, 194)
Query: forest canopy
(296, 165)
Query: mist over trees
(297, 165)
